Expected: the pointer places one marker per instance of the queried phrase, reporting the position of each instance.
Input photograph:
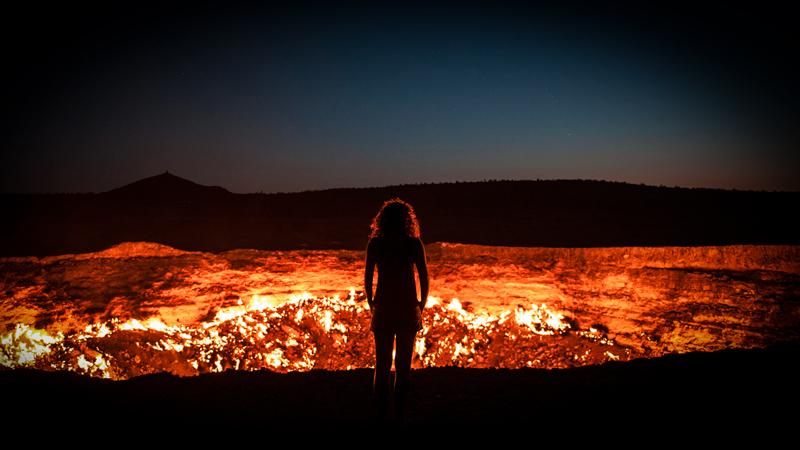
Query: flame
(541, 320)
(151, 323)
(302, 333)
(419, 346)
(455, 305)
(254, 309)
(326, 321)
(99, 365)
(23, 345)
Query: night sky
(315, 96)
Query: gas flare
(304, 332)
(119, 314)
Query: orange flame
(302, 333)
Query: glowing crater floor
(141, 308)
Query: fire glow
(300, 334)
(142, 308)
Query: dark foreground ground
(725, 392)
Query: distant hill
(553, 213)
(167, 187)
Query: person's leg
(383, 365)
(402, 366)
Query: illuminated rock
(141, 308)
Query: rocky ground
(652, 340)
(721, 394)
(669, 299)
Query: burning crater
(141, 308)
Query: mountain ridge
(171, 210)
(168, 178)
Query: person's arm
(422, 269)
(369, 270)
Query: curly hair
(396, 216)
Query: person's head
(395, 218)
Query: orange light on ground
(143, 308)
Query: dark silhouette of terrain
(168, 188)
(680, 392)
(549, 213)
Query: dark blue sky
(318, 96)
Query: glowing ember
(24, 345)
(303, 333)
(248, 310)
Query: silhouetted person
(395, 247)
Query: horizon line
(419, 183)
